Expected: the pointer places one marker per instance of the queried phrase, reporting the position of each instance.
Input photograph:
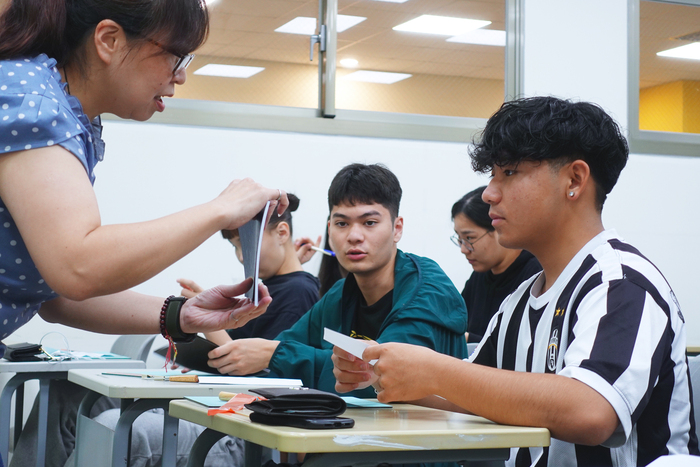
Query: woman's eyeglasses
(183, 60)
(461, 242)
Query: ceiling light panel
(481, 37)
(228, 71)
(307, 26)
(380, 77)
(442, 25)
(689, 51)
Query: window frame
(648, 141)
(328, 120)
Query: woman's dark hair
(475, 208)
(274, 220)
(556, 131)
(286, 215)
(59, 28)
(365, 184)
(330, 271)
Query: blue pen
(321, 250)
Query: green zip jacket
(427, 310)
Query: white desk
(44, 372)
(138, 395)
(403, 434)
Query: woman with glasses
(62, 64)
(498, 271)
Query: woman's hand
(303, 248)
(222, 308)
(351, 372)
(243, 199)
(190, 288)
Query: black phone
(324, 423)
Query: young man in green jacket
(388, 296)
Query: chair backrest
(694, 367)
(134, 346)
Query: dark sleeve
(290, 302)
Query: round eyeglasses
(461, 242)
(183, 60)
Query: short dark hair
(366, 184)
(475, 208)
(556, 131)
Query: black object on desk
(24, 352)
(299, 407)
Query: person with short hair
(388, 295)
(594, 347)
(498, 271)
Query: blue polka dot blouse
(35, 112)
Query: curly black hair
(556, 131)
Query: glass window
(669, 67)
(453, 66)
(257, 60)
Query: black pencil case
(297, 402)
(24, 352)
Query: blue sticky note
(357, 403)
(207, 401)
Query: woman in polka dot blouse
(62, 64)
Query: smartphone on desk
(325, 423)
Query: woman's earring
(571, 193)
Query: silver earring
(571, 193)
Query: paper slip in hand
(348, 344)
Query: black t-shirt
(292, 295)
(485, 291)
(368, 319)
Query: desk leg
(170, 432)
(84, 411)
(19, 413)
(43, 421)
(120, 445)
(6, 409)
(202, 446)
(253, 454)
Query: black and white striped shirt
(612, 322)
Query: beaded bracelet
(170, 325)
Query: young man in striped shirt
(592, 348)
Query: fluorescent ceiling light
(349, 63)
(689, 51)
(346, 22)
(443, 25)
(307, 26)
(481, 37)
(299, 25)
(381, 77)
(229, 71)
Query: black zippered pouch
(24, 352)
(297, 402)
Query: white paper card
(348, 344)
(251, 381)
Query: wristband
(170, 320)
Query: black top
(368, 319)
(485, 291)
(292, 295)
